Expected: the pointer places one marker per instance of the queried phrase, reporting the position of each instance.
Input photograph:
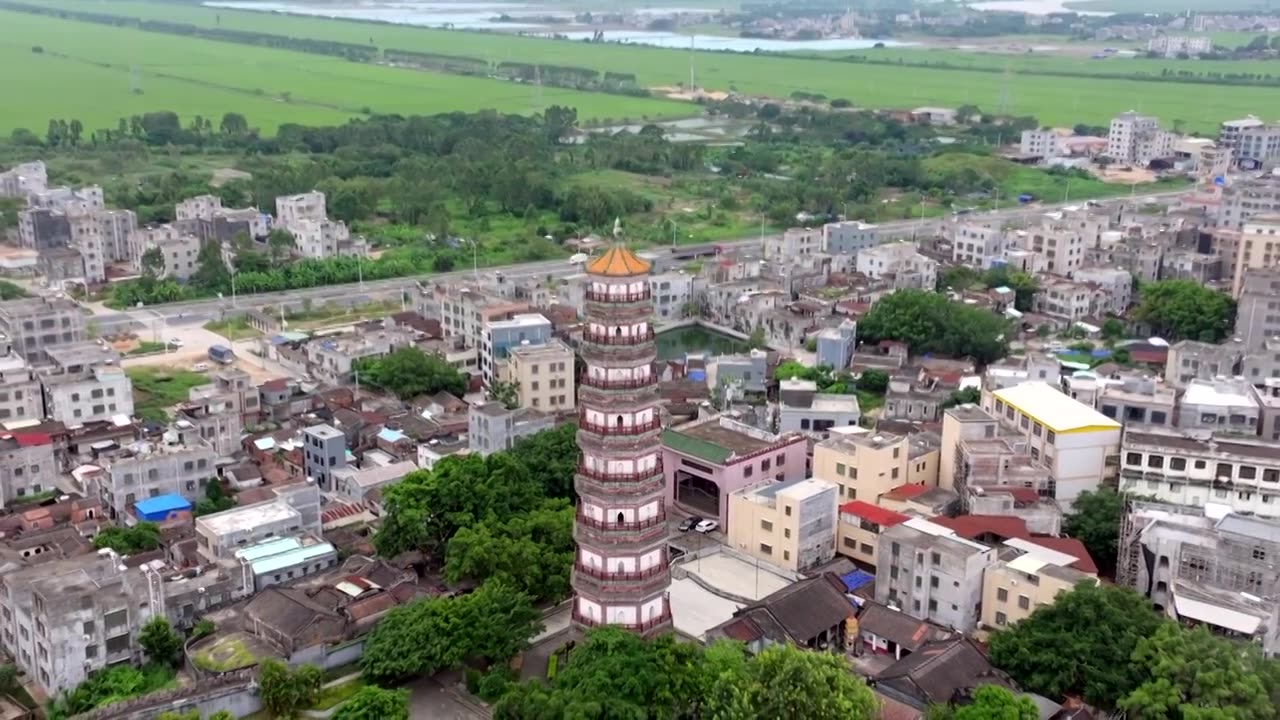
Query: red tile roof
(972, 526)
(339, 511)
(906, 492)
(1071, 546)
(878, 515)
(743, 630)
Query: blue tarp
(160, 507)
(856, 579)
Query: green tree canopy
(287, 692)
(551, 457)
(140, 538)
(965, 396)
(160, 642)
(374, 703)
(929, 323)
(1185, 310)
(1082, 644)
(532, 551)
(409, 372)
(1023, 284)
(1095, 521)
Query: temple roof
(617, 261)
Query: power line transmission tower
(537, 88)
(1005, 82)
(135, 80)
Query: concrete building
(1138, 401)
(978, 244)
(1221, 405)
(901, 262)
(863, 466)
(1044, 143)
(463, 312)
(33, 326)
(1060, 244)
(748, 372)
(1137, 139)
(492, 428)
(858, 531)
(1024, 577)
(1064, 299)
(1267, 396)
(179, 250)
(835, 345)
(1258, 147)
(95, 394)
(1172, 46)
(801, 408)
(1229, 131)
(25, 179)
(314, 234)
(543, 375)
(707, 460)
(928, 571)
(849, 237)
(1192, 470)
(284, 559)
(324, 450)
(42, 229)
(1244, 198)
(220, 536)
(20, 394)
(1193, 360)
(1116, 288)
(355, 483)
(221, 224)
(792, 244)
(1257, 309)
(674, 295)
(790, 524)
(1079, 445)
(499, 336)
(147, 469)
(27, 466)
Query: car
(175, 342)
(578, 259)
(707, 526)
(688, 523)
(201, 367)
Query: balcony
(624, 340)
(616, 384)
(618, 430)
(626, 526)
(605, 297)
(605, 477)
(644, 626)
(621, 575)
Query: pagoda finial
(617, 229)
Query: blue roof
(162, 504)
(856, 579)
(390, 435)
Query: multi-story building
(543, 375)
(1062, 298)
(43, 229)
(20, 395)
(1172, 46)
(748, 372)
(1025, 577)
(1229, 131)
(1137, 139)
(314, 234)
(179, 250)
(1244, 198)
(620, 575)
(928, 571)
(1268, 397)
(1192, 470)
(27, 466)
(22, 180)
(900, 261)
(1044, 143)
(356, 483)
(789, 524)
(147, 469)
(324, 449)
(1079, 445)
(34, 325)
(94, 394)
(1258, 147)
(214, 222)
(1060, 244)
(1138, 401)
(835, 345)
(213, 417)
(1220, 405)
(792, 244)
(1194, 360)
(849, 237)
(463, 312)
(863, 466)
(1115, 288)
(978, 244)
(499, 336)
(801, 408)
(858, 530)
(221, 535)
(1258, 309)
(493, 428)
(674, 294)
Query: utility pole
(692, 85)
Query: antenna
(1005, 82)
(692, 84)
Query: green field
(1055, 100)
(87, 72)
(1169, 6)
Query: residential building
(1025, 577)
(792, 244)
(1229, 131)
(222, 224)
(858, 531)
(1060, 243)
(543, 375)
(499, 336)
(790, 524)
(1257, 309)
(707, 460)
(674, 295)
(1246, 197)
(20, 395)
(1268, 397)
(94, 394)
(493, 428)
(1138, 401)
(463, 312)
(314, 234)
(43, 229)
(748, 372)
(179, 250)
(887, 631)
(1042, 515)
(213, 415)
(283, 560)
(1192, 470)
(901, 262)
(1220, 405)
(939, 671)
(1258, 147)
(863, 466)
(1193, 360)
(932, 573)
(1137, 139)
(621, 569)
(355, 483)
(849, 237)
(813, 613)
(147, 469)
(915, 397)
(25, 179)
(802, 408)
(27, 465)
(1173, 46)
(333, 357)
(324, 450)
(835, 345)
(978, 244)
(1079, 445)
(220, 536)
(1044, 143)
(32, 326)
(960, 424)
(1116, 288)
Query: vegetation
(375, 703)
(155, 390)
(613, 673)
(143, 537)
(112, 685)
(286, 692)
(487, 626)
(965, 396)
(195, 715)
(215, 499)
(1095, 521)
(10, 291)
(551, 458)
(1185, 310)
(334, 695)
(409, 372)
(929, 323)
(161, 643)
(532, 551)
(990, 702)
(232, 329)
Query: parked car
(200, 367)
(689, 523)
(175, 342)
(707, 526)
(578, 259)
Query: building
(849, 237)
(863, 466)
(928, 571)
(813, 613)
(801, 408)
(32, 326)
(148, 469)
(500, 336)
(790, 524)
(1024, 577)
(1138, 401)
(1223, 406)
(27, 465)
(222, 224)
(1173, 46)
(835, 345)
(493, 428)
(178, 249)
(95, 394)
(940, 671)
(20, 394)
(674, 294)
(333, 357)
(25, 179)
(1116, 288)
(1137, 139)
(283, 560)
(463, 312)
(1258, 147)
(1257, 310)
(1182, 469)
(1190, 360)
(707, 460)
(220, 536)
(324, 450)
(1043, 143)
(747, 372)
(901, 262)
(1079, 445)
(793, 243)
(314, 234)
(1246, 197)
(1229, 131)
(543, 375)
(979, 245)
(620, 574)
(356, 483)
(858, 530)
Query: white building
(978, 244)
(179, 249)
(23, 180)
(1172, 46)
(849, 237)
(902, 261)
(314, 234)
(792, 244)
(1043, 143)
(1137, 139)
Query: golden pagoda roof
(618, 261)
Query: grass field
(1151, 6)
(86, 72)
(1053, 100)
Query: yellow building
(1027, 575)
(858, 533)
(543, 376)
(925, 459)
(863, 466)
(788, 524)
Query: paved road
(201, 311)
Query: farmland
(88, 72)
(1056, 100)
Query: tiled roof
(1069, 546)
(906, 492)
(617, 261)
(973, 526)
(878, 515)
(696, 447)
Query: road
(156, 320)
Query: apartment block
(147, 469)
(1192, 470)
(674, 294)
(463, 312)
(1137, 139)
(858, 531)
(1191, 360)
(1115, 286)
(1138, 401)
(215, 222)
(789, 524)
(1065, 299)
(900, 262)
(1219, 405)
(333, 357)
(849, 237)
(493, 428)
(324, 450)
(1025, 577)
(500, 336)
(928, 571)
(543, 375)
(793, 243)
(96, 394)
(978, 244)
(835, 345)
(220, 536)
(20, 395)
(33, 326)
(1247, 197)
(863, 466)
(178, 247)
(1258, 309)
(25, 179)
(27, 466)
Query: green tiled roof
(708, 451)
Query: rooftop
(1054, 410)
(1232, 393)
(324, 432)
(617, 261)
(523, 320)
(873, 513)
(798, 489)
(249, 517)
(850, 442)
(162, 504)
(537, 352)
(719, 439)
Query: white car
(200, 367)
(175, 342)
(706, 526)
(578, 259)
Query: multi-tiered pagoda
(620, 574)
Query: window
(1037, 430)
(933, 581)
(893, 572)
(1248, 472)
(916, 605)
(1050, 436)
(840, 469)
(90, 651)
(748, 471)
(1001, 618)
(866, 549)
(786, 554)
(1133, 458)
(1158, 417)
(1002, 595)
(766, 526)
(933, 606)
(894, 549)
(1178, 464)
(1024, 602)
(787, 510)
(786, 532)
(766, 549)
(1155, 461)
(935, 558)
(850, 543)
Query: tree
(204, 628)
(279, 244)
(409, 372)
(551, 457)
(873, 381)
(559, 122)
(507, 393)
(786, 681)
(215, 500)
(929, 323)
(989, 702)
(140, 538)
(1113, 329)
(152, 262)
(375, 703)
(1079, 645)
(233, 124)
(758, 341)
(160, 642)
(532, 552)
(1023, 284)
(1185, 310)
(285, 692)
(1191, 674)
(490, 625)
(964, 396)
(195, 715)
(958, 278)
(1095, 521)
